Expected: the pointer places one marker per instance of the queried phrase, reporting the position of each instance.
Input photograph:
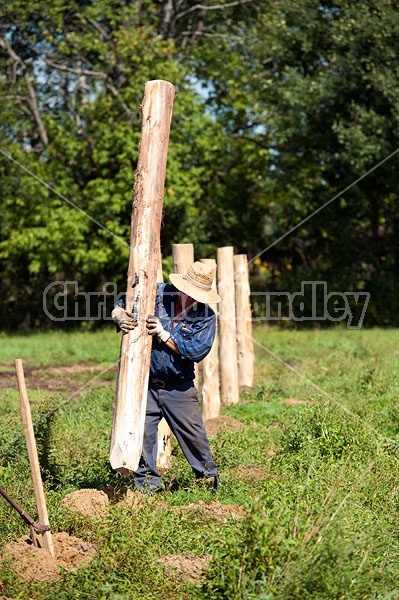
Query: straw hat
(197, 283)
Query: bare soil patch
(185, 565)
(37, 564)
(222, 423)
(57, 378)
(294, 401)
(221, 512)
(251, 472)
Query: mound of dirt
(222, 423)
(92, 503)
(88, 502)
(185, 565)
(37, 564)
(221, 512)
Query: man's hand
(124, 320)
(154, 327)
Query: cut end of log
(159, 82)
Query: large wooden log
(132, 385)
(229, 389)
(245, 345)
(210, 391)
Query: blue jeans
(180, 407)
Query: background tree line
(280, 107)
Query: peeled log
(132, 385)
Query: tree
(310, 106)
(76, 76)
(280, 107)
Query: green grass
(321, 524)
(59, 347)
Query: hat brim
(204, 296)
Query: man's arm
(194, 345)
(195, 341)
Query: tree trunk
(132, 385)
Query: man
(183, 330)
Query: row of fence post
(230, 363)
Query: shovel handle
(33, 457)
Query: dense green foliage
(321, 516)
(280, 108)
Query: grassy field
(313, 468)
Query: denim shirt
(193, 336)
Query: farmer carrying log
(183, 330)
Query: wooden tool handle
(33, 457)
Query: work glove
(154, 327)
(123, 319)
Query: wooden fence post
(183, 258)
(132, 385)
(245, 346)
(229, 389)
(210, 392)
